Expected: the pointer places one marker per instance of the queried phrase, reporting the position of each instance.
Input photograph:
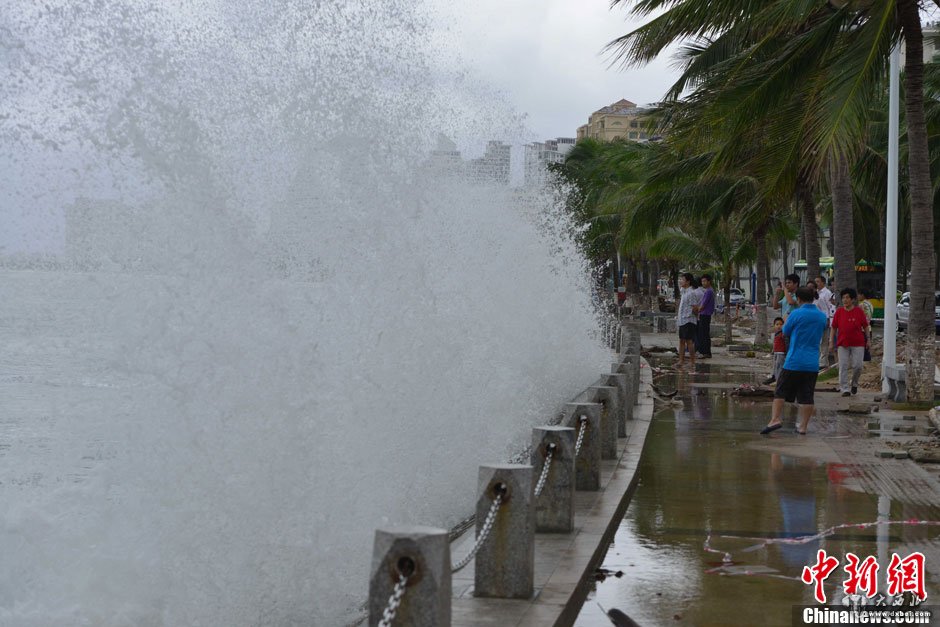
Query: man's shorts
(796, 385)
(687, 331)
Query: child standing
(780, 350)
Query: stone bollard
(633, 361)
(554, 507)
(630, 367)
(587, 462)
(607, 397)
(631, 338)
(422, 553)
(619, 381)
(631, 347)
(505, 564)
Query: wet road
(707, 479)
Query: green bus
(869, 276)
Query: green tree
(815, 66)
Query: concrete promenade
(564, 562)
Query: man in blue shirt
(803, 329)
(788, 302)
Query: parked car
(904, 311)
(737, 299)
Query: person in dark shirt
(703, 337)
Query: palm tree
(921, 358)
(843, 223)
(815, 68)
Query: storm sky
(547, 58)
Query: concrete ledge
(564, 563)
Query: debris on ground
(857, 408)
(756, 391)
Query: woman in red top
(849, 334)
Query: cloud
(547, 57)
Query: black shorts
(796, 385)
(687, 331)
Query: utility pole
(891, 224)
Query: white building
(445, 158)
(539, 155)
(493, 166)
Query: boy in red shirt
(849, 335)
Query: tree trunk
(675, 282)
(727, 287)
(810, 230)
(763, 277)
(768, 246)
(882, 233)
(654, 281)
(843, 223)
(802, 246)
(905, 264)
(920, 334)
(786, 260)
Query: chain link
(544, 476)
(484, 532)
(393, 602)
(581, 430)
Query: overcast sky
(547, 57)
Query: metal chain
(393, 602)
(544, 476)
(484, 532)
(577, 446)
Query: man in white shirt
(686, 319)
(824, 304)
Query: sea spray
(268, 326)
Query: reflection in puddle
(722, 522)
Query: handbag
(867, 354)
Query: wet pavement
(708, 536)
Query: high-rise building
(445, 158)
(539, 155)
(493, 166)
(622, 120)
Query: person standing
(797, 382)
(686, 320)
(865, 305)
(852, 326)
(824, 303)
(703, 339)
(788, 302)
(779, 351)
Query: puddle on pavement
(701, 478)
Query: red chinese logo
(862, 575)
(906, 575)
(818, 573)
